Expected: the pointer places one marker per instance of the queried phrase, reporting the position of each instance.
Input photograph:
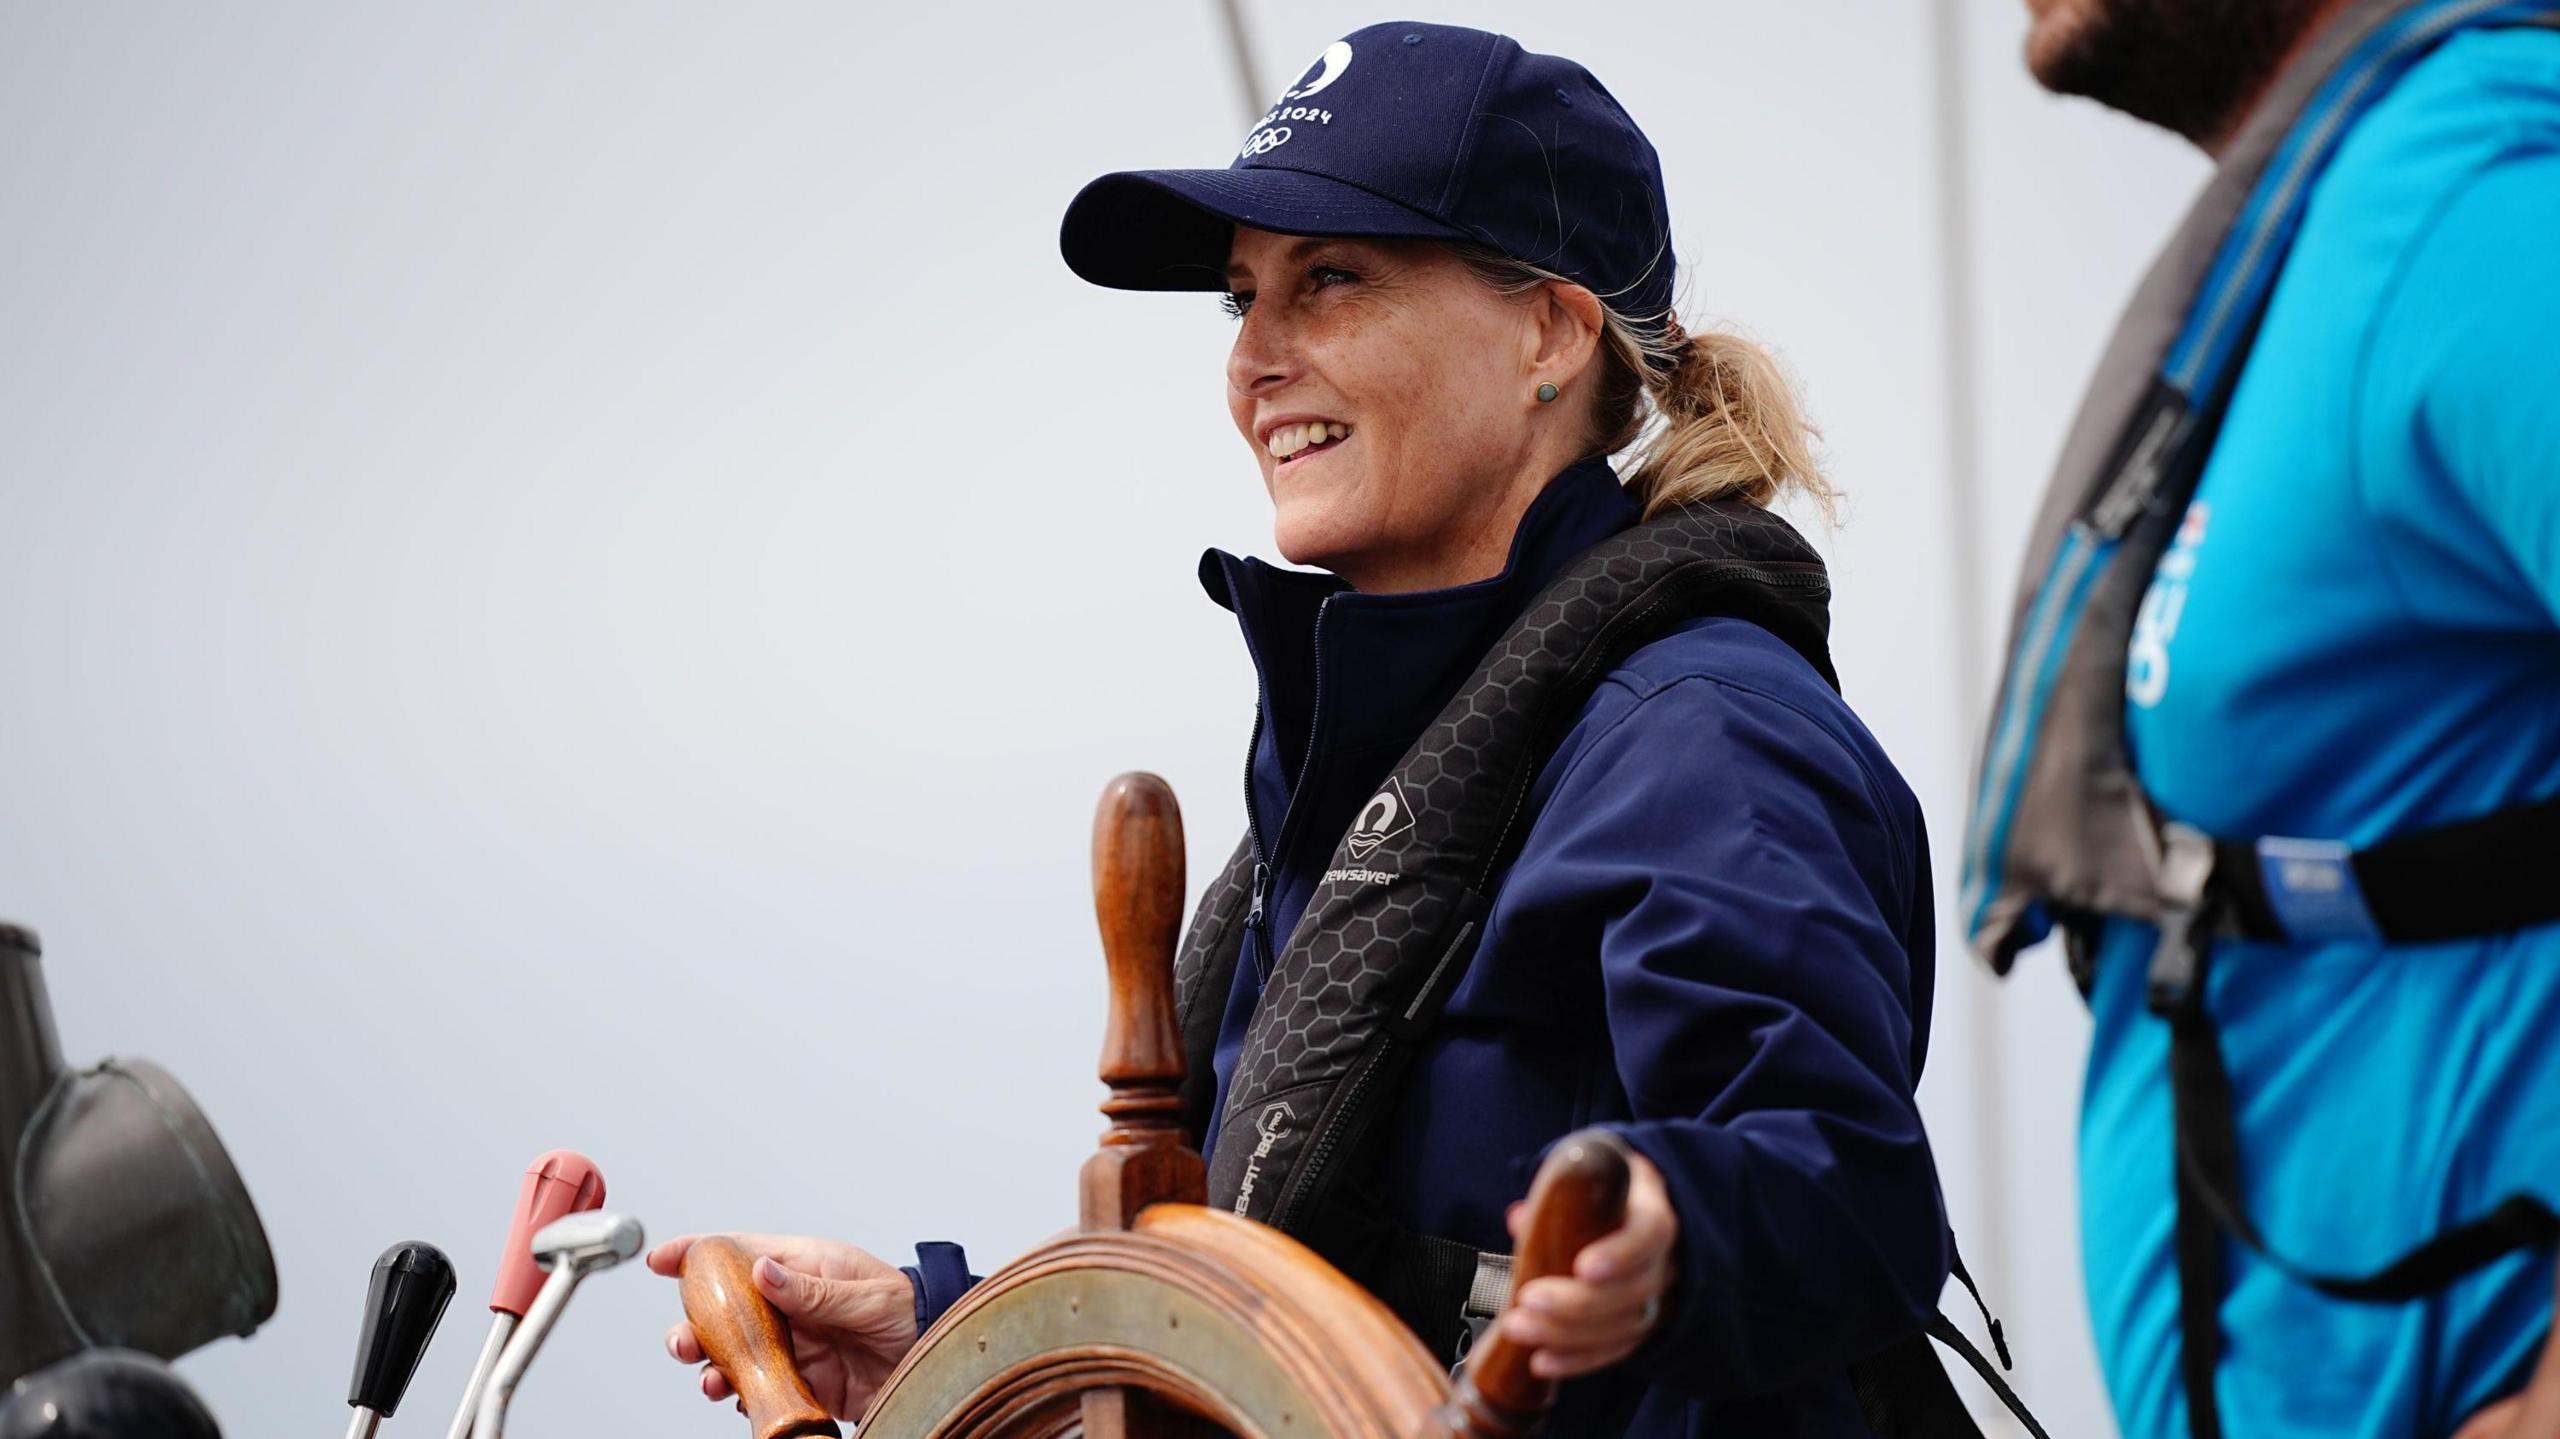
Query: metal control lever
(571, 1248)
(412, 1283)
(558, 1183)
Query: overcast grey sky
(571, 571)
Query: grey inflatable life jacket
(1395, 922)
(2061, 831)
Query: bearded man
(2279, 746)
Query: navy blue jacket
(1717, 939)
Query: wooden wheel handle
(748, 1340)
(1580, 1195)
(1137, 897)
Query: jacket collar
(1384, 665)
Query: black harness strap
(2491, 874)
(2479, 877)
(1428, 1281)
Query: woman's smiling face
(1388, 396)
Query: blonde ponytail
(1726, 424)
(1692, 417)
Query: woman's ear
(1566, 323)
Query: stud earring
(1546, 393)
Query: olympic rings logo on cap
(1264, 141)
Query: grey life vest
(2061, 831)
(1392, 927)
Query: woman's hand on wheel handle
(853, 1316)
(1599, 1314)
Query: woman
(1450, 264)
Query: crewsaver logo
(1385, 816)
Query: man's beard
(2186, 65)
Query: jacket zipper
(1257, 931)
(1315, 712)
(1261, 863)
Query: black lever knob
(412, 1282)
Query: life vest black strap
(2491, 874)
(2210, 1194)
(1444, 1291)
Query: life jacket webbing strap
(1438, 1287)
(2491, 874)
(1491, 1290)
(2211, 1197)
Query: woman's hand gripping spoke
(1613, 1299)
(853, 1317)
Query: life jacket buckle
(1487, 1296)
(2190, 912)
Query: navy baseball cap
(1407, 130)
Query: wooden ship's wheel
(1159, 1318)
